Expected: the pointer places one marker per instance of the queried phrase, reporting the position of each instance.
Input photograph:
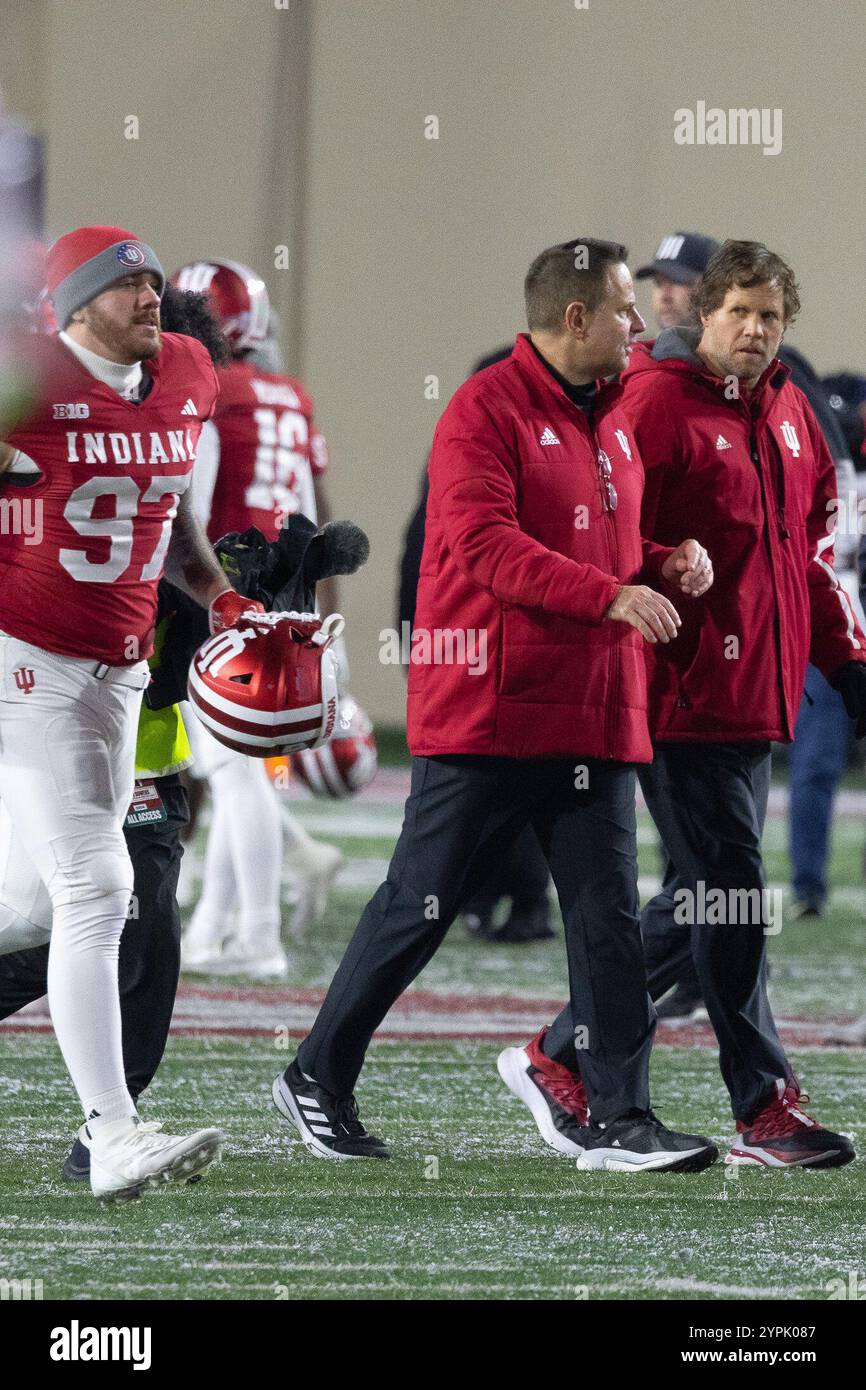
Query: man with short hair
(732, 449)
(532, 547)
(106, 453)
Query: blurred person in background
(823, 737)
(260, 460)
(848, 397)
(676, 267)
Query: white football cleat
(127, 1157)
(204, 952)
(313, 866)
(264, 966)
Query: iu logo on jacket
(622, 440)
(789, 434)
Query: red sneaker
(784, 1136)
(554, 1095)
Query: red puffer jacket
(752, 479)
(520, 555)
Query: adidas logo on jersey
(189, 408)
(722, 443)
(548, 437)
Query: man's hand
(652, 614)
(691, 567)
(229, 607)
(850, 681)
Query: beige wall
(407, 255)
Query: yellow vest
(162, 746)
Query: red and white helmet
(345, 764)
(238, 298)
(269, 687)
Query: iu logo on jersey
(789, 434)
(25, 679)
(622, 439)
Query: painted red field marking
(215, 1011)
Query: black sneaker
(684, 1005)
(639, 1143)
(77, 1165)
(328, 1125)
(529, 923)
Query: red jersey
(82, 580)
(269, 452)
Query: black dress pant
(462, 815)
(149, 963)
(709, 802)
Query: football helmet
(238, 299)
(345, 764)
(269, 688)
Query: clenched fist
(652, 614)
(691, 567)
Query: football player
(105, 456)
(260, 461)
(149, 960)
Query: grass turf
(472, 1205)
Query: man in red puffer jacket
(733, 451)
(527, 703)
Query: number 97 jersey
(83, 546)
(269, 452)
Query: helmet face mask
(271, 688)
(237, 295)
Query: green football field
(472, 1205)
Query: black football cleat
(479, 924)
(77, 1165)
(639, 1143)
(328, 1125)
(526, 923)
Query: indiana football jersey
(269, 452)
(80, 578)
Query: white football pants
(244, 850)
(68, 730)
